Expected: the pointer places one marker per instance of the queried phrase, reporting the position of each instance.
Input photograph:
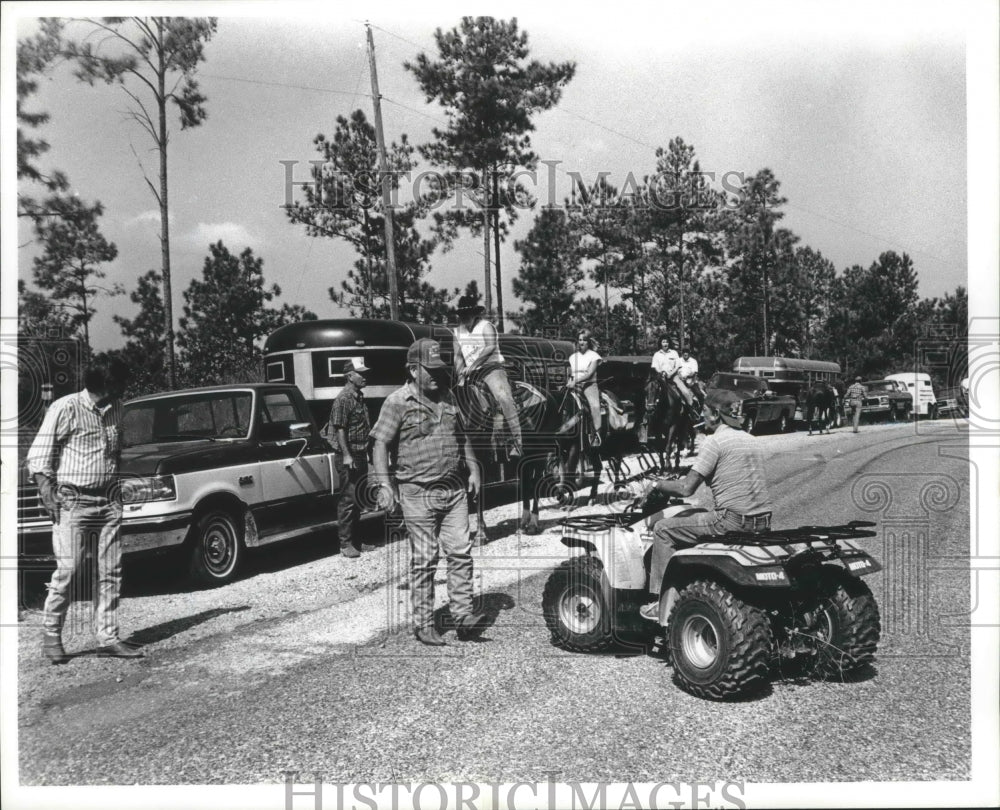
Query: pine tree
(159, 56)
(226, 317)
(73, 250)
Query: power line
(397, 36)
(287, 86)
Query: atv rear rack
(803, 534)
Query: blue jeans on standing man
(437, 519)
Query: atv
(734, 609)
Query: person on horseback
(687, 372)
(667, 363)
(478, 357)
(583, 379)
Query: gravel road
(306, 663)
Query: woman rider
(479, 354)
(583, 378)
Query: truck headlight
(883, 400)
(144, 490)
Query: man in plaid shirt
(347, 431)
(855, 398)
(421, 422)
(74, 460)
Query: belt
(361, 448)
(90, 492)
(761, 520)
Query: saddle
(482, 413)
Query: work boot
(429, 636)
(52, 648)
(470, 627)
(349, 550)
(119, 649)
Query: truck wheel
(217, 550)
(848, 629)
(720, 645)
(750, 423)
(578, 606)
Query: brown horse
(555, 434)
(664, 416)
(821, 400)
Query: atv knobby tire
(721, 647)
(579, 607)
(849, 627)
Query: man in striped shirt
(74, 460)
(731, 464)
(855, 398)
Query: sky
(860, 110)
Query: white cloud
(233, 235)
(148, 217)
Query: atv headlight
(144, 490)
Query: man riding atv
(731, 463)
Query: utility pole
(496, 248)
(383, 163)
(487, 285)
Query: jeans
(593, 396)
(437, 515)
(672, 533)
(856, 416)
(352, 487)
(499, 386)
(86, 522)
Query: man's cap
(425, 352)
(355, 364)
(726, 403)
(468, 303)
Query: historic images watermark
(309, 791)
(334, 189)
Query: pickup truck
(760, 404)
(210, 472)
(886, 399)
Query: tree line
(671, 252)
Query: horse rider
(479, 355)
(583, 365)
(688, 373)
(667, 363)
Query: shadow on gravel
(492, 604)
(164, 630)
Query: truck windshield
(193, 417)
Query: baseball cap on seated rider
(357, 365)
(726, 403)
(425, 352)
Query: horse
(554, 442)
(665, 415)
(821, 400)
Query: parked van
(919, 385)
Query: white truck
(918, 383)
